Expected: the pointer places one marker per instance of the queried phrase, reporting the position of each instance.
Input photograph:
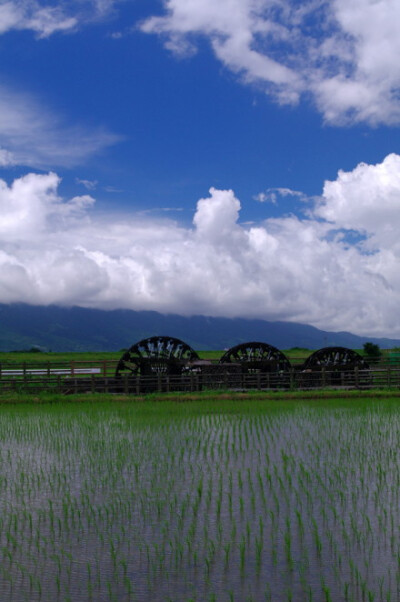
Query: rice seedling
(204, 501)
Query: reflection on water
(98, 503)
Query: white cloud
(367, 200)
(265, 197)
(216, 217)
(10, 15)
(30, 208)
(341, 52)
(30, 134)
(46, 18)
(6, 158)
(273, 194)
(62, 252)
(88, 184)
(41, 18)
(33, 136)
(160, 209)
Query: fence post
(356, 377)
(389, 380)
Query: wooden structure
(156, 355)
(169, 364)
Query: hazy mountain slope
(79, 329)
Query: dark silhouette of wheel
(256, 356)
(335, 358)
(156, 355)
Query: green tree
(372, 350)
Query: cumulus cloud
(377, 215)
(342, 53)
(61, 251)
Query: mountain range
(80, 329)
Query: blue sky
(235, 158)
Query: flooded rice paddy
(186, 502)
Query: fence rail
(100, 377)
(41, 372)
(74, 367)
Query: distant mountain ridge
(79, 329)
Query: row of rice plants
(150, 502)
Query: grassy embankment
(207, 400)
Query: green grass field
(295, 356)
(40, 357)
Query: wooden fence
(99, 377)
(71, 368)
